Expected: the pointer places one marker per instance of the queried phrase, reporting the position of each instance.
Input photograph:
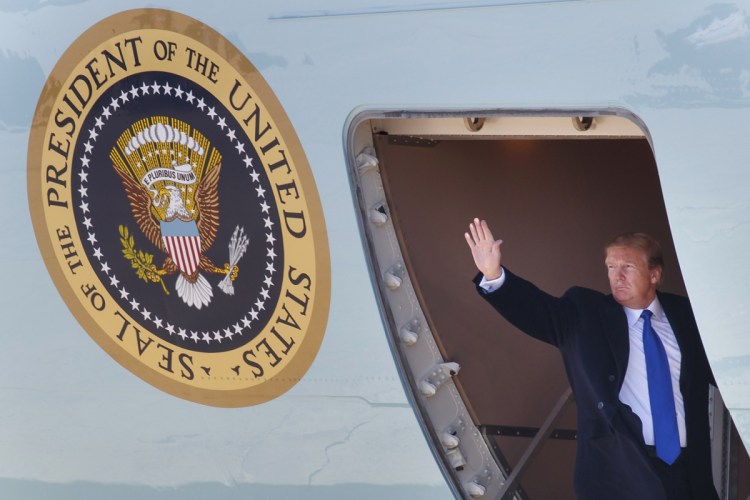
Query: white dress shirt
(634, 391)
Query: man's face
(633, 284)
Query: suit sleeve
(533, 311)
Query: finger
(470, 241)
(486, 231)
(480, 229)
(474, 235)
(496, 245)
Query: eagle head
(176, 207)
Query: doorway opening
(555, 186)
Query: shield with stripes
(183, 244)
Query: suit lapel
(618, 336)
(677, 320)
(616, 328)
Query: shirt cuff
(490, 286)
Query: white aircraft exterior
(76, 422)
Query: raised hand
(485, 249)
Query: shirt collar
(635, 314)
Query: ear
(655, 275)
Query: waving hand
(484, 248)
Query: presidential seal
(176, 212)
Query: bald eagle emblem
(170, 174)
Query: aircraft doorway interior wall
(554, 200)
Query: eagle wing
(207, 202)
(140, 205)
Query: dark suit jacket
(590, 330)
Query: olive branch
(142, 262)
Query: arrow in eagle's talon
(237, 246)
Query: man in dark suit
(635, 362)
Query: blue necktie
(666, 436)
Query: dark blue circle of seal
(245, 200)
